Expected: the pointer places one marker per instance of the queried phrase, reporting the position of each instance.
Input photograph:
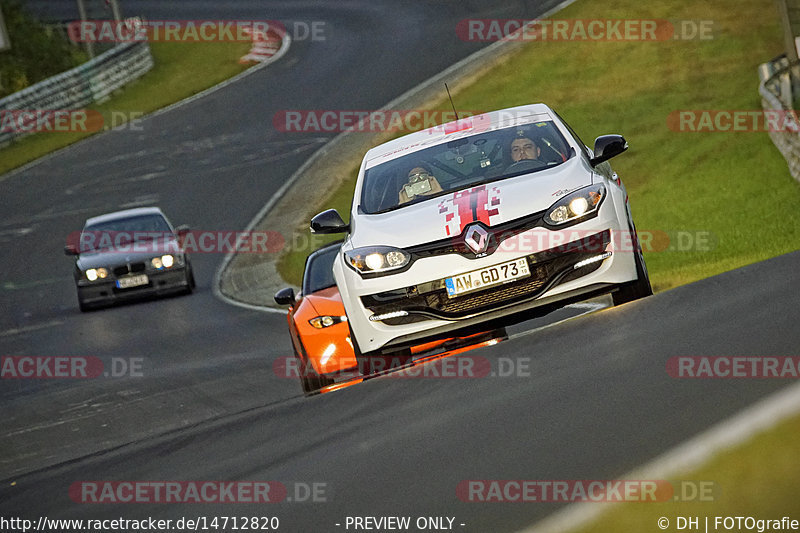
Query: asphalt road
(595, 402)
(590, 399)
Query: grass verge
(712, 193)
(181, 70)
(756, 479)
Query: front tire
(310, 381)
(639, 288)
(190, 284)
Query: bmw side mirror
(606, 147)
(285, 296)
(71, 249)
(329, 222)
(182, 230)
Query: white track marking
(691, 455)
(590, 308)
(26, 329)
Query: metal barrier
(776, 89)
(91, 82)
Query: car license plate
(487, 277)
(132, 281)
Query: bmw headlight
(165, 261)
(93, 274)
(576, 205)
(377, 259)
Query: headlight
(165, 261)
(377, 259)
(96, 273)
(576, 205)
(320, 322)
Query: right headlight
(374, 259)
(576, 204)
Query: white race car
(479, 223)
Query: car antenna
(451, 100)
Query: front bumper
(159, 283)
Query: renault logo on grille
(477, 238)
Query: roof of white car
(453, 130)
(127, 213)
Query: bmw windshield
(462, 163)
(122, 231)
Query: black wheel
(190, 284)
(310, 380)
(639, 288)
(83, 306)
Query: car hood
(327, 302)
(492, 203)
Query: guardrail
(776, 89)
(90, 82)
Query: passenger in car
(420, 182)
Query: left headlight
(576, 205)
(93, 274)
(377, 259)
(321, 322)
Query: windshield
(319, 270)
(125, 230)
(463, 163)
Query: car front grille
(469, 303)
(130, 268)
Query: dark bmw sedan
(126, 255)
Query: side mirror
(329, 222)
(182, 230)
(606, 147)
(71, 249)
(285, 296)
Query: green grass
(758, 478)
(181, 70)
(724, 185)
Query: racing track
(598, 401)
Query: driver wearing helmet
(420, 182)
